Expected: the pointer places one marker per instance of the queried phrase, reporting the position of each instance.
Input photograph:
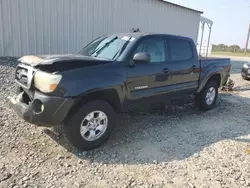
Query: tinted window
(155, 47)
(140, 48)
(180, 50)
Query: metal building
(65, 26)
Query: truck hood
(61, 58)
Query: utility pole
(202, 27)
(248, 36)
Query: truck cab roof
(141, 34)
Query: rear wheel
(206, 100)
(90, 126)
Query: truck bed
(222, 65)
(204, 61)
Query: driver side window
(156, 49)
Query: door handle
(166, 71)
(193, 67)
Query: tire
(245, 78)
(74, 123)
(201, 98)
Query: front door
(147, 80)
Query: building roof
(201, 12)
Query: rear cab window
(180, 49)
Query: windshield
(109, 47)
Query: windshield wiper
(97, 51)
(123, 48)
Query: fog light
(37, 106)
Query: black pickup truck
(84, 91)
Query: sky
(231, 19)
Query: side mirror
(141, 58)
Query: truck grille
(24, 75)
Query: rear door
(147, 80)
(183, 65)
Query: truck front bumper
(245, 73)
(42, 110)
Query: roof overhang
(206, 20)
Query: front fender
(81, 83)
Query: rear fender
(208, 75)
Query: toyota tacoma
(85, 91)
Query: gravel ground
(177, 146)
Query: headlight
(46, 82)
(245, 66)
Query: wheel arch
(216, 77)
(110, 96)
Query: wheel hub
(94, 125)
(210, 97)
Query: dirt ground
(175, 146)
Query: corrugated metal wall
(65, 26)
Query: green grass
(231, 54)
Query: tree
(226, 48)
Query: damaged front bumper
(42, 110)
(245, 73)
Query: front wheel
(90, 126)
(206, 100)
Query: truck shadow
(174, 132)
